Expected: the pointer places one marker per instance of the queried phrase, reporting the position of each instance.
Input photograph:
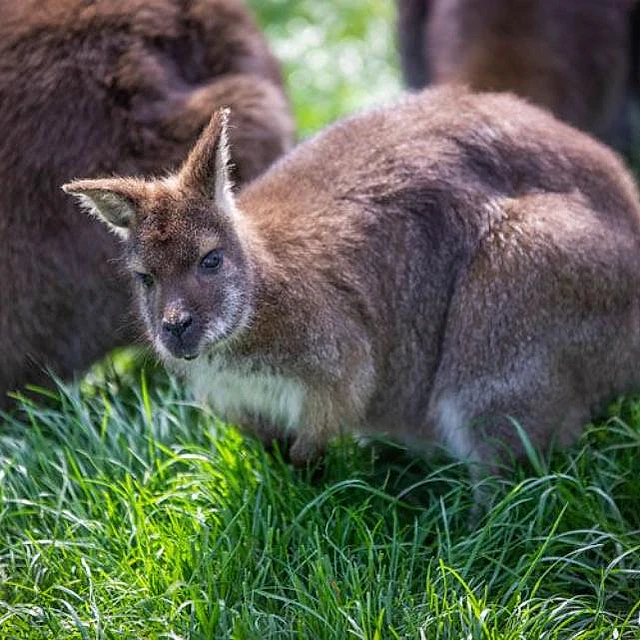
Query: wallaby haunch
(577, 58)
(427, 270)
(123, 86)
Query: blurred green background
(338, 57)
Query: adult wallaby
(123, 86)
(429, 270)
(577, 58)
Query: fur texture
(577, 58)
(123, 86)
(427, 270)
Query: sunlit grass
(145, 518)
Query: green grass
(126, 512)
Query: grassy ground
(125, 512)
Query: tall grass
(144, 517)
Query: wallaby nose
(177, 324)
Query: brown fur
(123, 86)
(423, 270)
(573, 57)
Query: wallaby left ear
(114, 200)
(206, 170)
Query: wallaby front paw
(305, 451)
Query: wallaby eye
(212, 261)
(146, 279)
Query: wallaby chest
(246, 389)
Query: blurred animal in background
(123, 86)
(424, 270)
(577, 58)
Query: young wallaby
(123, 86)
(429, 270)
(574, 57)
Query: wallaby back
(425, 270)
(574, 58)
(123, 86)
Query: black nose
(177, 326)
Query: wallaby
(574, 57)
(430, 270)
(123, 86)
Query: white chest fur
(234, 392)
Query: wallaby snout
(179, 332)
(177, 324)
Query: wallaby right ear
(114, 200)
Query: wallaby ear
(114, 200)
(206, 170)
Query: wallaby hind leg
(498, 418)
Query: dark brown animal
(103, 87)
(574, 57)
(423, 270)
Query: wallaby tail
(412, 44)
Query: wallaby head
(184, 246)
